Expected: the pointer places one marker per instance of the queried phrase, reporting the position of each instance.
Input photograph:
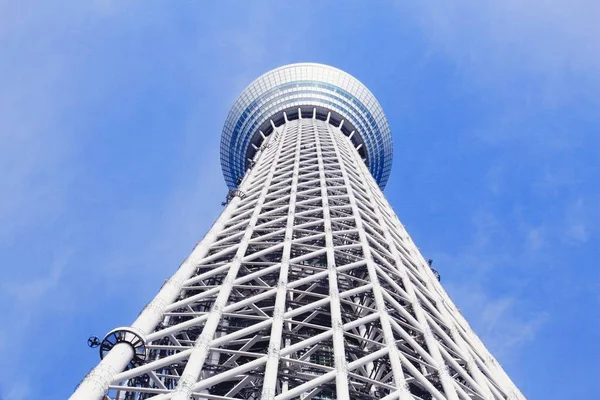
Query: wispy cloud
(29, 293)
(79, 84)
(543, 37)
(576, 222)
(33, 147)
(65, 226)
(18, 391)
(535, 238)
(504, 323)
(535, 67)
(480, 277)
(31, 299)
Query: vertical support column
(95, 383)
(432, 344)
(201, 349)
(399, 380)
(270, 378)
(341, 367)
(452, 316)
(482, 385)
(471, 364)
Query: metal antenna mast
(307, 286)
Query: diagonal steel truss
(306, 287)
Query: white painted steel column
(95, 384)
(399, 379)
(453, 318)
(259, 270)
(481, 384)
(117, 359)
(341, 367)
(432, 345)
(202, 346)
(270, 378)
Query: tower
(307, 286)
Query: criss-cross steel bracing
(306, 287)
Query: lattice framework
(307, 287)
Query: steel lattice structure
(307, 286)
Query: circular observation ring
(307, 86)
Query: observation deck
(305, 90)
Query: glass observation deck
(319, 91)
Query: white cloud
(485, 225)
(481, 282)
(548, 38)
(30, 298)
(502, 322)
(577, 231)
(576, 218)
(535, 238)
(19, 390)
(30, 294)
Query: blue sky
(110, 120)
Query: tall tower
(307, 286)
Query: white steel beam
(307, 286)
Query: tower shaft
(306, 287)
